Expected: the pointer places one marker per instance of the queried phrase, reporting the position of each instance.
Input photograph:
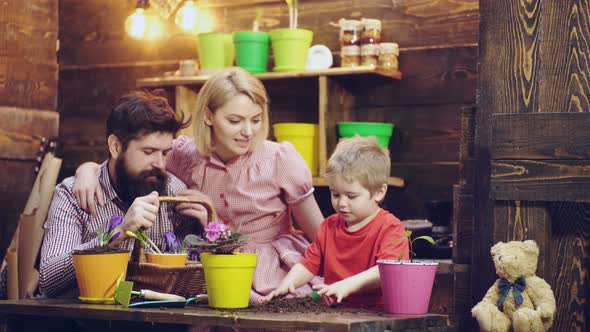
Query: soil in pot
(99, 250)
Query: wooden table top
(196, 315)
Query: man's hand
(86, 187)
(194, 210)
(141, 214)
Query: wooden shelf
(199, 80)
(334, 97)
(392, 181)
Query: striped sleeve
(63, 233)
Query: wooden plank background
(28, 100)
(534, 62)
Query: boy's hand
(284, 288)
(339, 290)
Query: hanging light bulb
(136, 23)
(144, 23)
(187, 16)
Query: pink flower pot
(406, 285)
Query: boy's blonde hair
(360, 159)
(217, 91)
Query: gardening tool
(124, 290)
(170, 304)
(315, 296)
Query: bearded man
(140, 131)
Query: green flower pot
(290, 48)
(252, 50)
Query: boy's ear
(115, 146)
(379, 195)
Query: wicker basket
(187, 281)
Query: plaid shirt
(69, 228)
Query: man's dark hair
(140, 113)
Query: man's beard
(130, 187)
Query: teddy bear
(518, 299)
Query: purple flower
(114, 236)
(213, 231)
(116, 220)
(172, 242)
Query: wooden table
(192, 315)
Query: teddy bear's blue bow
(517, 287)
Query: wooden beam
(541, 180)
(541, 136)
(22, 131)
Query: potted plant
(228, 274)
(290, 45)
(407, 284)
(252, 47)
(175, 253)
(98, 268)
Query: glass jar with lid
(371, 31)
(369, 55)
(350, 32)
(388, 56)
(350, 56)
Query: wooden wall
(28, 100)
(98, 62)
(532, 148)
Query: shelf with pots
(334, 96)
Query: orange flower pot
(97, 275)
(167, 259)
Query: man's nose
(160, 161)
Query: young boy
(350, 242)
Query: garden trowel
(124, 290)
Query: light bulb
(136, 24)
(186, 17)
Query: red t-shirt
(337, 254)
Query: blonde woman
(250, 180)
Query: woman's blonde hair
(216, 92)
(360, 159)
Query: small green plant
(293, 12)
(411, 242)
(147, 242)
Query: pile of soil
(293, 305)
(303, 305)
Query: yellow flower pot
(167, 259)
(97, 275)
(229, 278)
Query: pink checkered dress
(254, 190)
